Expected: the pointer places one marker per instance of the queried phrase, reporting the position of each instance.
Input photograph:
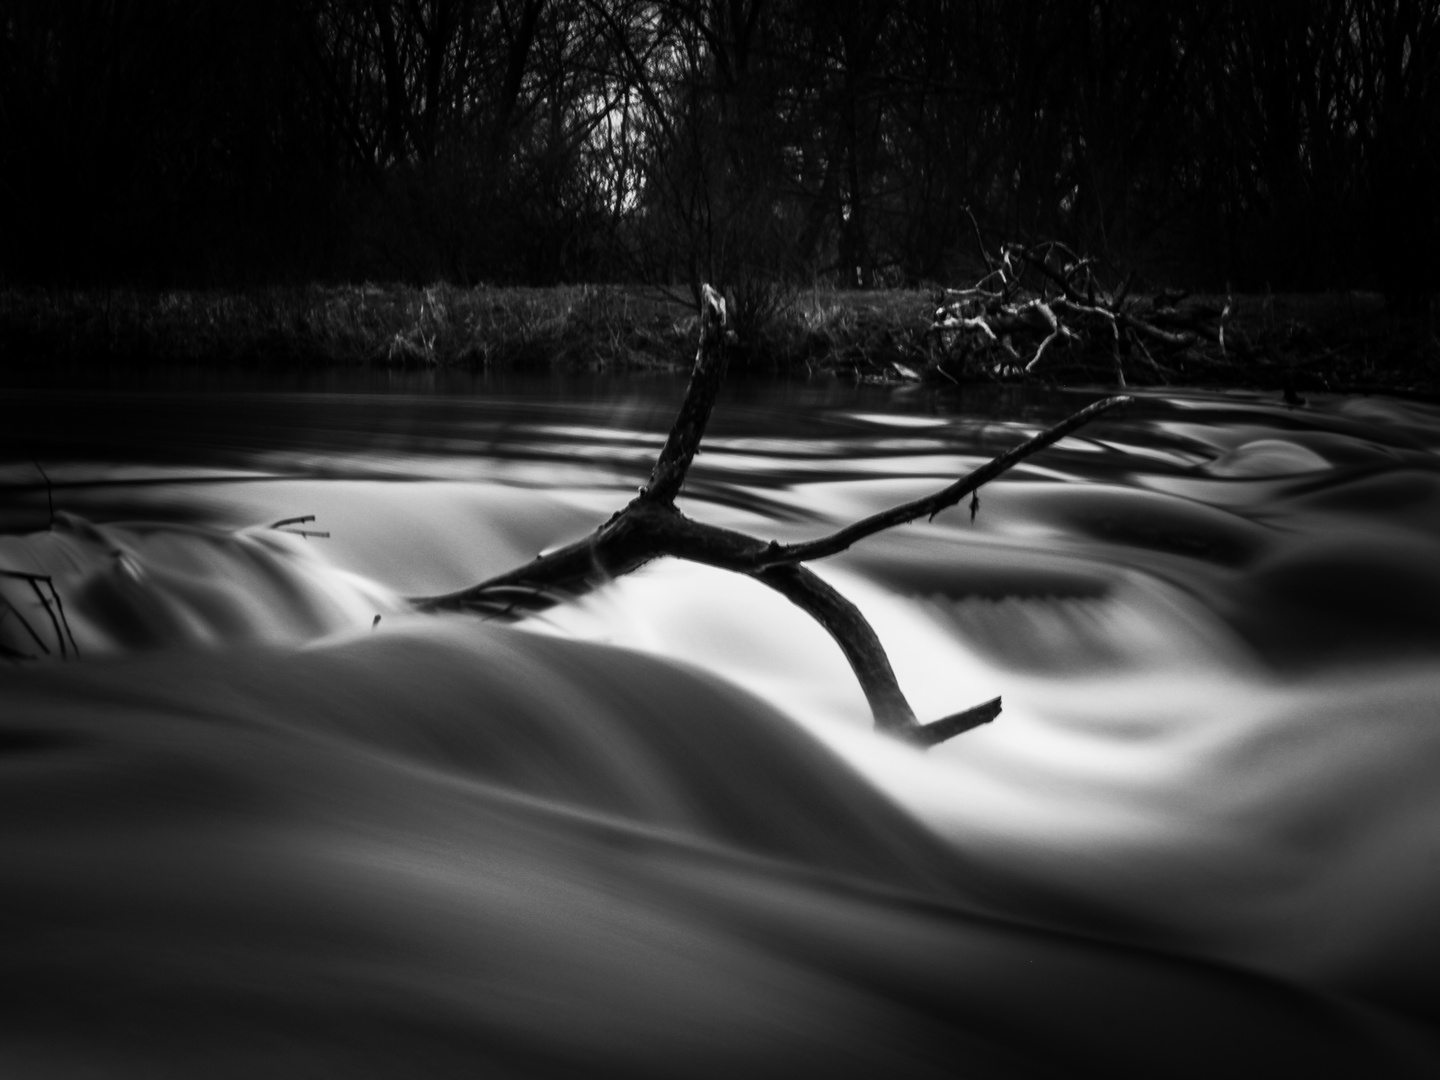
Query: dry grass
(562, 328)
(390, 326)
(1321, 341)
(1338, 340)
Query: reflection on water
(256, 832)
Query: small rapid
(257, 829)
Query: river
(254, 830)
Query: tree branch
(650, 527)
(931, 505)
(689, 427)
(857, 640)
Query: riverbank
(1294, 343)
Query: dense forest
(1292, 144)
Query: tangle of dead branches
(1040, 307)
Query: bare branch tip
(946, 728)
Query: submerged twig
(54, 621)
(10, 607)
(49, 494)
(65, 622)
(58, 621)
(307, 533)
(956, 723)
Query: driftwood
(650, 527)
(1040, 304)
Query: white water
(251, 834)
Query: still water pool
(649, 832)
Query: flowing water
(253, 831)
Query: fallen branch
(1057, 331)
(651, 527)
(1046, 310)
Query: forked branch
(651, 527)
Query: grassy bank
(1330, 341)
(565, 328)
(390, 326)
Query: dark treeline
(1290, 144)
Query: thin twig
(64, 621)
(26, 624)
(35, 581)
(306, 533)
(931, 505)
(980, 242)
(49, 494)
(45, 603)
(1057, 330)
